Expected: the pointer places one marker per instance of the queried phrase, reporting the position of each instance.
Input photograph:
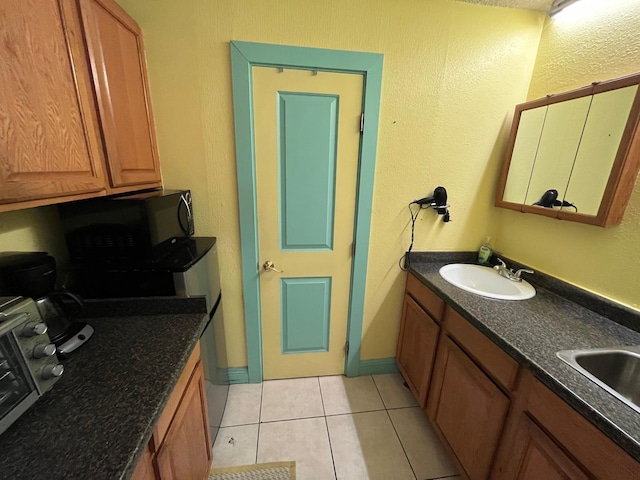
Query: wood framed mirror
(575, 156)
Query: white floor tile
(342, 394)
(304, 441)
(427, 456)
(291, 399)
(235, 446)
(393, 392)
(243, 405)
(365, 447)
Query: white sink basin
(486, 281)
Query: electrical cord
(568, 204)
(414, 216)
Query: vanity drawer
(428, 300)
(500, 366)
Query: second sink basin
(617, 370)
(486, 281)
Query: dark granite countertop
(533, 330)
(99, 416)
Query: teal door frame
(245, 55)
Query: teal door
(301, 339)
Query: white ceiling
(541, 5)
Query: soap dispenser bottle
(485, 252)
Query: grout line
(333, 462)
(259, 418)
(324, 410)
(351, 413)
(261, 401)
(403, 406)
(379, 394)
(240, 425)
(401, 444)
(326, 424)
(292, 419)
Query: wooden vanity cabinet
(545, 438)
(145, 469)
(180, 447)
(469, 396)
(186, 450)
(498, 420)
(467, 409)
(418, 337)
(416, 348)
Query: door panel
(49, 146)
(177, 458)
(417, 343)
(307, 130)
(116, 52)
(306, 303)
(467, 408)
(544, 459)
(307, 141)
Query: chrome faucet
(508, 273)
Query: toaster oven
(28, 363)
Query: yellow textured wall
(33, 230)
(452, 73)
(591, 40)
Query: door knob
(270, 267)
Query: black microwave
(137, 228)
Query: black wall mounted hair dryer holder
(438, 201)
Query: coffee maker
(33, 274)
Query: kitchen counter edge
(105, 401)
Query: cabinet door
(556, 152)
(186, 451)
(119, 70)
(144, 470)
(546, 438)
(49, 140)
(416, 348)
(533, 455)
(467, 408)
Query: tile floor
(334, 428)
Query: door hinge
(362, 122)
(346, 348)
(353, 249)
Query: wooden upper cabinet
(49, 144)
(116, 53)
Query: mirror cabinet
(576, 155)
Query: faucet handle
(523, 270)
(501, 264)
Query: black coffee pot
(58, 309)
